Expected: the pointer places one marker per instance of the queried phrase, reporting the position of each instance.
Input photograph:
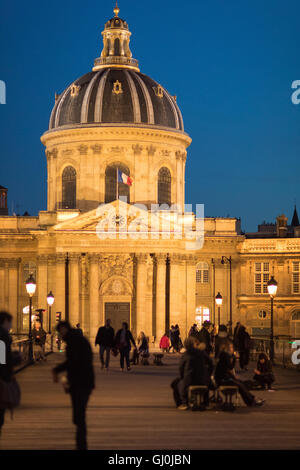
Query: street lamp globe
(50, 299)
(219, 299)
(272, 287)
(30, 286)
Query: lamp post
(219, 300)
(50, 302)
(229, 261)
(30, 288)
(272, 289)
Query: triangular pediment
(123, 218)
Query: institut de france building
(116, 140)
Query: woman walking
(123, 342)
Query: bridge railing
(20, 345)
(283, 350)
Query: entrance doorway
(202, 315)
(117, 312)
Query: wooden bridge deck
(135, 411)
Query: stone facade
(150, 279)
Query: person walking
(193, 330)
(176, 339)
(123, 342)
(243, 342)
(195, 369)
(9, 360)
(39, 336)
(225, 375)
(264, 372)
(205, 337)
(80, 374)
(105, 339)
(164, 343)
(172, 338)
(220, 340)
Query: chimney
(281, 226)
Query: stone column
(74, 288)
(160, 297)
(60, 280)
(95, 320)
(175, 307)
(149, 320)
(190, 289)
(13, 290)
(2, 285)
(141, 286)
(42, 285)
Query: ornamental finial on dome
(116, 9)
(116, 51)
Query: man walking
(105, 339)
(80, 371)
(7, 360)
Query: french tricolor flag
(123, 178)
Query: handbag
(10, 394)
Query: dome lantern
(116, 51)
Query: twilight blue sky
(230, 62)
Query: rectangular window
(295, 277)
(262, 276)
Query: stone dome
(112, 96)
(115, 92)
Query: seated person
(195, 369)
(263, 372)
(225, 375)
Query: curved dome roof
(116, 96)
(115, 92)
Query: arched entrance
(116, 301)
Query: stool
(196, 397)
(158, 359)
(144, 360)
(228, 391)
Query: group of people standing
(210, 358)
(121, 343)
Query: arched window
(117, 46)
(202, 271)
(164, 186)
(114, 189)
(69, 188)
(29, 268)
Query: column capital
(161, 258)
(60, 258)
(74, 257)
(12, 262)
(95, 258)
(191, 260)
(141, 258)
(42, 259)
